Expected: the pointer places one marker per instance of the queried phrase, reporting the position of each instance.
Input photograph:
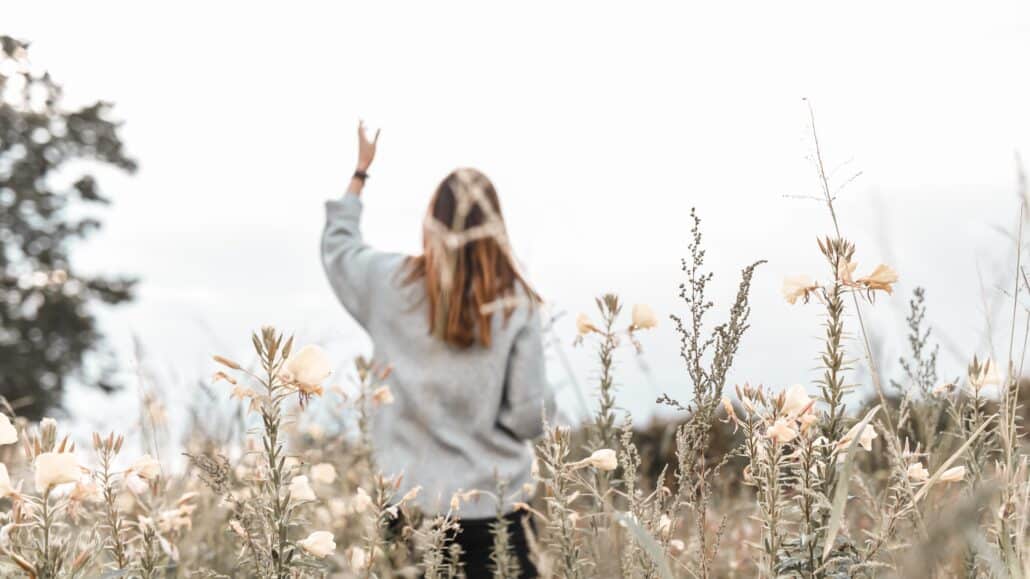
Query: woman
(460, 329)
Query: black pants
(477, 542)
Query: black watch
(359, 174)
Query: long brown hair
(466, 264)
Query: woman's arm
(528, 397)
(366, 153)
(347, 260)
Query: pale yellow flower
(361, 501)
(665, 525)
(918, 472)
(54, 468)
(797, 287)
(988, 375)
(300, 489)
(5, 482)
(782, 431)
(307, 368)
(603, 459)
(880, 279)
(865, 438)
(845, 269)
(8, 434)
(319, 544)
(584, 326)
(357, 558)
(146, 468)
(323, 473)
(411, 494)
(382, 396)
(953, 474)
(643, 317)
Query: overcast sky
(600, 126)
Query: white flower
(987, 376)
(338, 507)
(361, 501)
(323, 473)
(844, 271)
(880, 279)
(584, 326)
(8, 434)
(953, 474)
(382, 396)
(5, 482)
(665, 525)
(357, 558)
(410, 495)
(307, 368)
(136, 484)
(54, 468)
(319, 544)
(300, 489)
(643, 317)
(677, 545)
(865, 439)
(782, 431)
(146, 467)
(603, 459)
(918, 472)
(797, 286)
(799, 405)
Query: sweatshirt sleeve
(528, 398)
(348, 261)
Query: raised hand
(366, 148)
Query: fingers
(361, 130)
(375, 140)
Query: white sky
(600, 125)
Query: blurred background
(601, 127)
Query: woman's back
(462, 416)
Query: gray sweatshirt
(459, 416)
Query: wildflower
(319, 544)
(300, 489)
(799, 405)
(953, 474)
(84, 490)
(306, 369)
(338, 508)
(323, 473)
(146, 468)
(917, 472)
(984, 375)
(8, 434)
(361, 501)
(584, 326)
(643, 317)
(54, 468)
(677, 545)
(411, 494)
(5, 482)
(844, 270)
(603, 459)
(664, 525)
(172, 520)
(880, 279)
(382, 396)
(781, 431)
(456, 501)
(798, 286)
(136, 484)
(357, 558)
(865, 439)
